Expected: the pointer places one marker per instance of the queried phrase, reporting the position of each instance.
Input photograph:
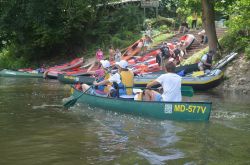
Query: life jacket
(104, 88)
(165, 52)
(127, 80)
(209, 60)
(125, 86)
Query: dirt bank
(237, 76)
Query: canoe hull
(188, 111)
(19, 74)
(200, 83)
(66, 79)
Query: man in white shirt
(171, 84)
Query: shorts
(158, 97)
(96, 92)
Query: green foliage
(164, 28)
(187, 7)
(199, 21)
(237, 37)
(43, 29)
(159, 21)
(247, 52)
(7, 60)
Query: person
(149, 30)
(170, 82)
(100, 90)
(206, 61)
(177, 53)
(122, 81)
(164, 54)
(184, 27)
(194, 20)
(98, 57)
(147, 42)
(182, 46)
(148, 95)
(111, 53)
(118, 55)
(203, 37)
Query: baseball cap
(105, 63)
(123, 64)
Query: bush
(234, 41)
(8, 61)
(247, 52)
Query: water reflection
(116, 133)
(36, 129)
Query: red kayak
(53, 72)
(133, 50)
(73, 64)
(188, 39)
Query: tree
(209, 24)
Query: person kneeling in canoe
(170, 82)
(122, 82)
(101, 90)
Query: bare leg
(85, 87)
(92, 65)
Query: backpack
(165, 52)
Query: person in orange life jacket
(122, 82)
(148, 95)
(170, 82)
(206, 61)
(100, 90)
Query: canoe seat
(127, 96)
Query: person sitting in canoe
(170, 82)
(206, 61)
(148, 95)
(122, 82)
(100, 90)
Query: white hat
(123, 64)
(105, 63)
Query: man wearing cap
(122, 81)
(206, 61)
(170, 82)
(100, 89)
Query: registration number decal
(170, 108)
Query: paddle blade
(187, 91)
(70, 103)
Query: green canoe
(188, 111)
(11, 73)
(67, 79)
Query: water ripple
(158, 159)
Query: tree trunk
(209, 24)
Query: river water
(36, 130)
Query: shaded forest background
(32, 31)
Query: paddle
(72, 101)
